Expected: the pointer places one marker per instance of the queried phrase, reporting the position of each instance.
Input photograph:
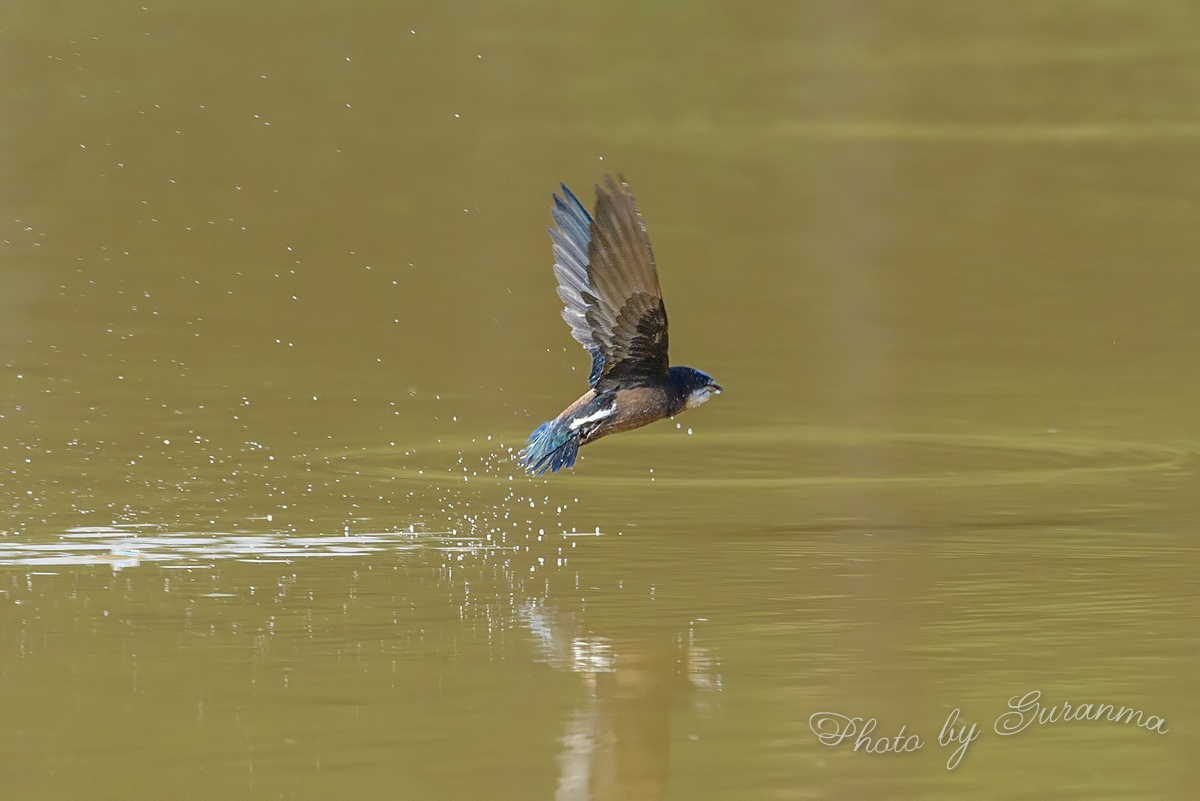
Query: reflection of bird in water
(617, 742)
(613, 304)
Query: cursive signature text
(1028, 709)
(832, 728)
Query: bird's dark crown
(693, 386)
(690, 380)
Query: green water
(276, 301)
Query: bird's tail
(552, 446)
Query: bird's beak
(715, 387)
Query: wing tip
(569, 203)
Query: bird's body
(608, 283)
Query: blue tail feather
(552, 446)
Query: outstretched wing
(571, 239)
(609, 286)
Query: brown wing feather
(625, 307)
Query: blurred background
(276, 303)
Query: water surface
(276, 304)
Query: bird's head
(695, 385)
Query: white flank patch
(593, 417)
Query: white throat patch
(698, 396)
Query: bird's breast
(628, 409)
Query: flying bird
(614, 306)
